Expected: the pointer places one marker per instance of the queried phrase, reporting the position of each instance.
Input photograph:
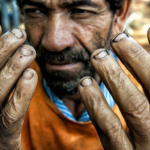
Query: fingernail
(26, 52)
(101, 54)
(119, 37)
(86, 82)
(18, 33)
(28, 75)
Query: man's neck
(74, 104)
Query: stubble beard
(66, 82)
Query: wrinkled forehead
(55, 3)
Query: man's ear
(120, 17)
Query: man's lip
(60, 63)
(54, 65)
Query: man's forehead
(61, 2)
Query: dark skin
(132, 103)
(14, 61)
(56, 25)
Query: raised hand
(133, 105)
(16, 77)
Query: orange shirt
(46, 128)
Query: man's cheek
(84, 36)
(91, 36)
(35, 33)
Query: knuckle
(115, 76)
(12, 67)
(3, 48)
(113, 71)
(20, 94)
(1, 92)
(7, 137)
(137, 106)
(3, 81)
(113, 128)
(9, 118)
(134, 50)
(9, 71)
(5, 44)
(3, 78)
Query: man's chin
(65, 81)
(62, 85)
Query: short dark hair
(114, 4)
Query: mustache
(68, 54)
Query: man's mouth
(63, 65)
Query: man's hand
(15, 58)
(133, 104)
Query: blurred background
(9, 14)
(140, 22)
(136, 26)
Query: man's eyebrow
(76, 3)
(33, 3)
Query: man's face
(65, 33)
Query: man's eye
(81, 13)
(78, 11)
(32, 11)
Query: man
(64, 34)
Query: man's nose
(58, 35)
